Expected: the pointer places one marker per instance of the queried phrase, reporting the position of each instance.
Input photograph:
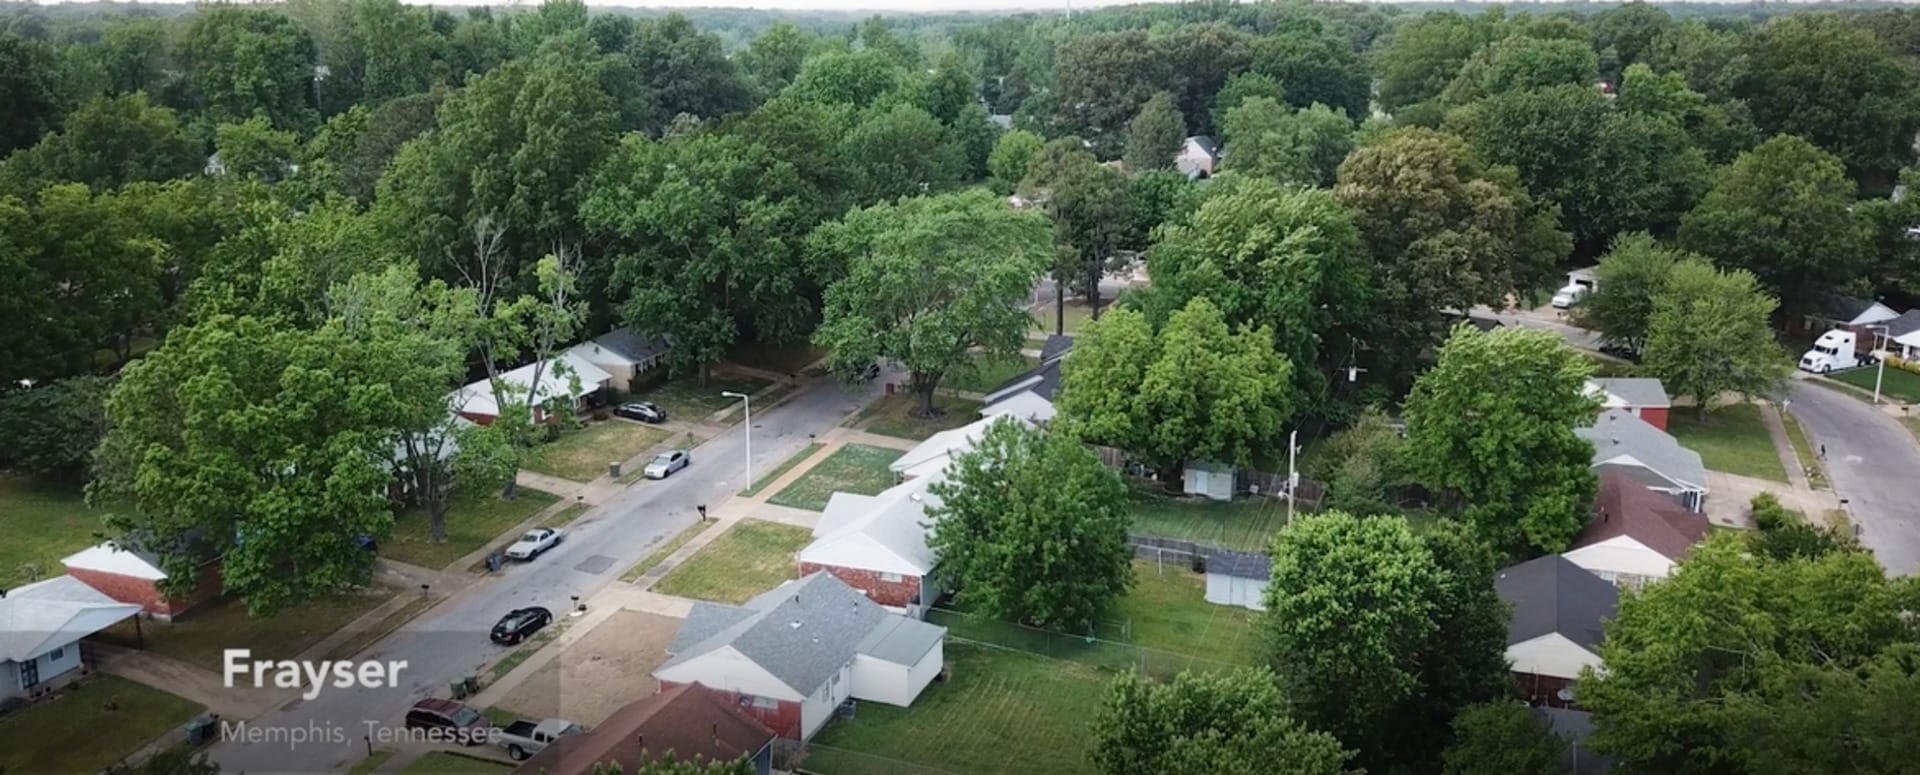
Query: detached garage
(1238, 578)
(897, 660)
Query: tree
(1240, 88)
(51, 429)
(856, 78)
(1708, 335)
(1501, 737)
(774, 57)
(1521, 62)
(1781, 211)
(1492, 425)
(684, 70)
(1626, 281)
(1104, 78)
(1100, 386)
(926, 280)
(1155, 134)
(1444, 230)
(901, 151)
(253, 149)
(29, 87)
(244, 59)
(1093, 220)
(1031, 527)
(1234, 723)
(266, 445)
(107, 142)
(1361, 464)
(1315, 66)
(1785, 535)
(1011, 155)
(1628, 32)
(1722, 130)
(1707, 667)
(1424, 54)
(1819, 78)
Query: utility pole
(749, 421)
(1880, 354)
(1293, 476)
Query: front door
(30, 673)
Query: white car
(535, 543)
(667, 463)
(1565, 297)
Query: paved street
(326, 733)
(1874, 465)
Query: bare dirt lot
(607, 668)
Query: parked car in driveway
(523, 738)
(520, 624)
(667, 463)
(535, 543)
(449, 722)
(643, 411)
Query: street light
(749, 400)
(1880, 354)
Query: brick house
(793, 655)
(128, 573)
(565, 378)
(1558, 623)
(878, 544)
(1642, 397)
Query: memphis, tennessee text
(318, 733)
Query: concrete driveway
(1874, 465)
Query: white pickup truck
(523, 738)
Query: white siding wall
(68, 661)
(727, 669)
(10, 679)
(817, 710)
(877, 680)
(1232, 590)
(1551, 655)
(1621, 556)
(927, 670)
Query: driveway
(326, 733)
(1875, 467)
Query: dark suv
(449, 722)
(520, 624)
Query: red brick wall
(142, 592)
(894, 593)
(1654, 417)
(783, 720)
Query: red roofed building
(689, 721)
(1636, 535)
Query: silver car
(667, 463)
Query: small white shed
(1238, 578)
(1211, 480)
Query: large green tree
(1236, 723)
(1491, 426)
(1315, 66)
(29, 87)
(1628, 277)
(1707, 334)
(244, 59)
(1820, 78)
(927, 280)
(1303, 147)
(51, 429)
(1154, 135)
(1031, 527)
(107, 142)
(1426, 52)
(1501, 737)
(1782, 211)
(1012, 152)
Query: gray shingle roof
(1636, 391)
(1042, 380)
(633, 346)
(1206, 143)
(901, 640)
(1907, 323)
(1618, 433)
(1552, 595)
(1243, 565)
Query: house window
(57, 654)
(766, 703)
(29, 673)
(890, 578)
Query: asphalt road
(325, 733)
(1875, 467)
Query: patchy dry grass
(752, 557)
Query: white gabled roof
(478, 398)
(886, 533)
(54, 613)
(1025, 405)
(942, 446)
(110, 558)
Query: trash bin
(459, 689)
(200, 730)
(613, 469)
(493, 562)
(471, 684)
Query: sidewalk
(189, 682)
(1783, 446)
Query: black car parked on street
(521, 624)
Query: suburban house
(878, 544)
(576, 382)
(1029, 396)
(1625, 444)
(1847, 312)
(929, 458)
(689, 721)
(1902, 335)
(126, 572)
(1199, 155)
(41, 625)
(623, 355)
(1636, 535)
(1642, 397)
(794, 655)
(1238, 578)
(1559, 611)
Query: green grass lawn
(1803, 450)
(416, 605)
(472, 522)
(370, 763)
(1605, 366)
(667, 548)
(200, 635)
(1241, 525)
(990, 373)
(855, 468)
(686, 399)
(43, 523)
(582, 454)
(1001, 712)
(1899, 384)
(777, 358)
(781, 470)
(566, 516)
(1167, 610)
(752, 557)
(77, 732)
(1732, 439)
(1079, 314)
(894, 416)
(449, 763)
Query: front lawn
(855, 468)
(1079, 314)
(1732, 439)
(43, 523)
(1899, 384)
(896, 415)
(686, 399)
(202, 634)
(450, 763)
(777, 358)
(1803, 451)
(472, 522)
(666, 549)
(1001, 711)
(1241, 525)
(782, 469)
(990, 373)
(752, 557)
(582, 454)
(89, 727)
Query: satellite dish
(1565, 695)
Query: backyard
(752, 557)
(1079, 314)
(990, 373)
(1898, 384)
(686, 399)
(855, 468)
(582, 454)
(1732, 439)
(894, 415)
(42, 523)
(1001, 711)
(1241, 525)
(201, 635)
(90, 727)
(472, 521)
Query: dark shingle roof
(1206, 143)
(1240, 565)
(1907, 323)
(688, 720)
(633, 346)
(1626, 508)
(1042, 380)
(1552, 595)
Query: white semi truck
(1835, 350)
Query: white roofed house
(1627, 445)
(624, 355)
(1199, 155)
(577, 383)
(41, 625)
(1029, 396)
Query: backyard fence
(1169, 551)
(1105, 648)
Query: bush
(1903, 364)
(600, 415)
(1767, 512)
